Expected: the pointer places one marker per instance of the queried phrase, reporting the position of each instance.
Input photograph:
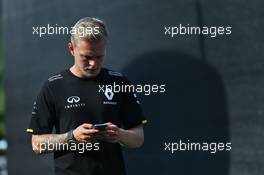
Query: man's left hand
(110, 134)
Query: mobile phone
(100, 126)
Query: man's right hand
(84, 132)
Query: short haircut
(89, 29)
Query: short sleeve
(43, 112)
(131, 111)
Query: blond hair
(89, 29)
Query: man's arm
(40, 143)
(47, 143)
(132, 138)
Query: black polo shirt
(67, 101)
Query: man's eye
(85, 57)
(99, 57)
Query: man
(78, 99)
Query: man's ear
(71, 48)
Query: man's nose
(92, 62)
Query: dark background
(213, 85)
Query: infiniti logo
(73, 99)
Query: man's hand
(132, 138)
(84, 133)
(110, 134)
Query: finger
(112, 127)
(87, 126)
(110, 131)
(85, 137)
(109, 124)
(90, 131)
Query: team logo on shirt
(109, 95)
(73, 99)
(73, 102)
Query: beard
(91, 72)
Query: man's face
(88, 57)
